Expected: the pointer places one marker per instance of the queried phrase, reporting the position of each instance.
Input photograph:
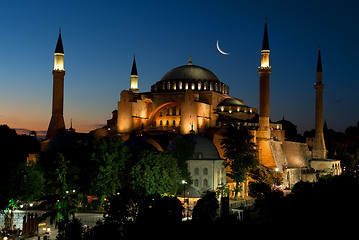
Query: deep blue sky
(101, 37)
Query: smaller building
(205, 166)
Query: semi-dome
(203, 147)
(189, 77)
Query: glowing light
(265, 58)
(59, 61)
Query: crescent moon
(224, 53)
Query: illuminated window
(186, 86)
(174, 86)
(192, 86)
(199, 86)
(169, 86)
(180, 85)
(205, 171)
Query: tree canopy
(155, 173)
(239, 151)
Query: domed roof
(203, 147)
(231, 102)
(68, 141)
(189, 77)
(190, 72)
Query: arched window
(167, 123)
(205, 171)
(174, 86)
(174, 110)
(154, 123)
(196, 182)
(199, 86)
(196, 171)
(192, 86)
(161, 113)
(174, 123)
(179, 111)
(180, 85)
(161, 123)
(168, 85)
(205, 182)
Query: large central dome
(189, 77)
(190, 72)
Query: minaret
(319, 150)
(264, 73)
(134, 77)
(57, 124)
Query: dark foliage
(206, 208)
(331, 200)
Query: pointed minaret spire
(134, 67)
(134, 77)
(319, 63)
(265, 45)
(59, 48)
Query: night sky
(101, 37)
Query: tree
(182, 150)
(20, 182)
(109, 158)
(64, 203)
(268, 176)
(206, 208)
(240, 153)
(155, 173)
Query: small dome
(203, 147)
(69, 141)
(231, 102)
(190, 72)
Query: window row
(205, 86)
(167, 123)
(204, 183)
(204, 171)
(169, 112)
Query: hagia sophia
(191, 101)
